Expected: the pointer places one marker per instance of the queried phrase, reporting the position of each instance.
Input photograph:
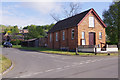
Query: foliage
(10, 29)
(34, 31)
(37, 31)
(110, 18)
(16, 42)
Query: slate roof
(68, 22)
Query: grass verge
(5, 63)
(55, 51)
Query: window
(91, 21)
(83, 42)
(83, 35)
(56, 36)
(72, 35)
(63, 35)
(100, 35)
(98, 45)
(50, 37)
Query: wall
(83, 26)
(98, 27)
(68, 42)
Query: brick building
(85, 28)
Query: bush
(111, 43)
(16, 42)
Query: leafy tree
(17, 42)
(35, 32)
(111, 17)
(15, 29)
(11, 29)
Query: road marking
(81, 63)
(59, 68)
(87, 62)
(99, 59)
(73, 65)
(37, 72)
(66, 66)
(25, 75)
(49, 70)
(15, 77)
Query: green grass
(55, 51)
(5, 63)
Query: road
(31, 64)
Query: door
(91, 38)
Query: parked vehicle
(7, 44)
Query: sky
(25, 13)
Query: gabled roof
(73, 21)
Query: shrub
(16, 42)
(111, 43)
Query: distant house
(85, 28)
(23, 31)
(36, 42)
(30, 43)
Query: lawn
(55, 51)
(5, 63)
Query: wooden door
(91, 38)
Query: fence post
(77, 51)
(95, 50)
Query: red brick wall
(84, 26)
(68, 42)
(72, 44)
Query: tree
(35, 32)
(71, 10)
(15, 29)
(112, 19)
(11, 29)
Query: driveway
(31, 64)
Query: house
(43, 42)
(35, 42)
(85, 28)
(30, 43)
(23, 31)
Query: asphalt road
(31, 64)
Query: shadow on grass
(56, 51)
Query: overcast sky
(38, 13)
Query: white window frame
(72, 37)
(56, 36)
(83, 35)
(63, 35)
(83, 42)
(100, 35)
(50, 37)
(91, 21)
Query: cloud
(44, 7)
(12, 15)
(22, 22)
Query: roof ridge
(76, 15)
(69, 22)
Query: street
(31, 64)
